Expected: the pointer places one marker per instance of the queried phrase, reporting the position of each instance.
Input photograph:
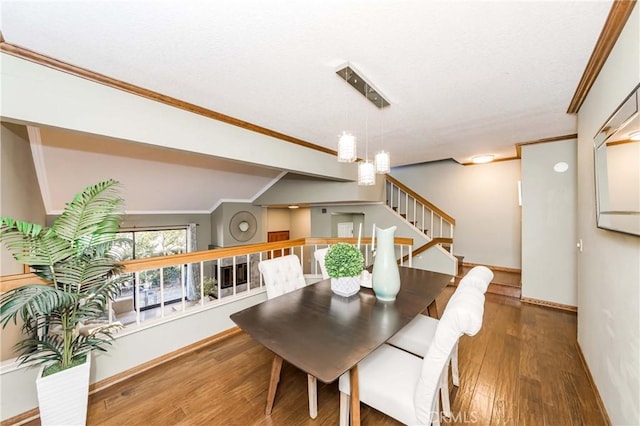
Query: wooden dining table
(326, 335)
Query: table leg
(276, 366)
(432, 310)
(355, 396)
(312, 390)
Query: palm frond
(83, 274)
(31, 244)
(33, 301)
(97, 338)
(26, 229)
(91, 211)
(34, 350)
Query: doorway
(275, 236)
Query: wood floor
(521, 369)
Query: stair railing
(419, 213)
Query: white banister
(162, 292)
(418, 221)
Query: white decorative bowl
(345, 286)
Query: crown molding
(618, 16)
(519, 145)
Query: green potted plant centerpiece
(344, 263)
(78, 268)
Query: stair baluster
(407, 200)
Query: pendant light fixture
(366, 173)
(383, 161)
(346, 148)
(347, 143)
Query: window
(152, 243)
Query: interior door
(278, 236)
(345, 230)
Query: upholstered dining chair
(417, 336)
(405, 386)
(319, 255)
(282, 275)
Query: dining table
(326, 335)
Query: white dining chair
(282, 275)
(319, 256)
(405, 386)
(417, 336)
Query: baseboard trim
(33, 414)
(592, 383)
(547, 304)
(20, 419)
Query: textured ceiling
(463, 77)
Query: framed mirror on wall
(617, 168)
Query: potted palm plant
(344, 263)
(78, 268)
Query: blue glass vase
(386, 277)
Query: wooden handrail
(425, 247)
(10, 282)
(421, 199)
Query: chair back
(319, 255)
(479, 277)
(462, 315)
(281, 275)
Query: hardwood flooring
(522, 368)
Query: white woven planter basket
(346, 286)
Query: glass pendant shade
(347, 148)
(366, 173)
(383, 163)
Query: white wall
(300, 222)
(278, 220)
(483, 199)
(19, 191)
(549, 222)
(609, 266)
(294, 189)
(19, 199)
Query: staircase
(437, 228)
(422, 216)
